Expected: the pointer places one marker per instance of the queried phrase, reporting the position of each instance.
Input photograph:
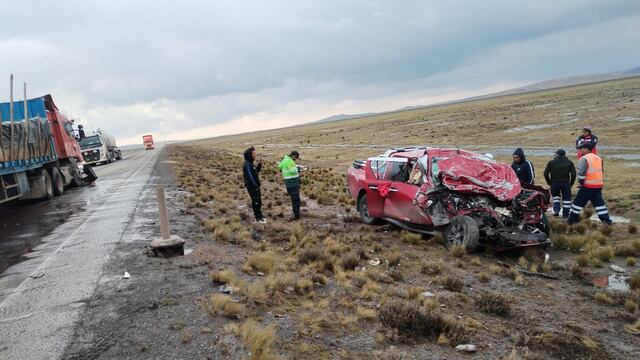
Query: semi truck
(99, 147)
(39, 156)
(147, 141)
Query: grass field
(329, 287)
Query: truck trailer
(39, 156)
(99, 147)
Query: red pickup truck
(467, 196)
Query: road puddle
(615, 282)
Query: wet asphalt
(52, 254)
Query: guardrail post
(164, 215)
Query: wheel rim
(456, 234)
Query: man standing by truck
(252, 182)
(560, 174)
(291, 175)
(591, 178)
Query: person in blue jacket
(252, 182)
(523, 167)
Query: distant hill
(539, 86)
(342, 117)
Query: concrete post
(164, 216)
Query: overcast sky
(190, 69)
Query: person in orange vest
(591, 178)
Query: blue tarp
(36, 108)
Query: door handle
(373, 187)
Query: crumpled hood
(473, 173)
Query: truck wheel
(462, 231)
(48, 185)
(363, 210)
(58, 184)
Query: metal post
(26, 122)
(11, 116)
(164, 216)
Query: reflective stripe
(556, 198)
(575, 211)
(567, 202)
(603, 207)
(602, 212)
(577, 207)
(291, 177)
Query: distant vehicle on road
(39, 156)
(147, 141)
(100, 147)
(470, 198)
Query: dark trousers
(561, 194)
(256, 202)
(585, 195)
(294, 193)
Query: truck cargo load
(39, 155)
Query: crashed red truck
(470, 198)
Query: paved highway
(52, 254)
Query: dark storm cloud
(152, 59)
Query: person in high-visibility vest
(291, 175)
(591, 178)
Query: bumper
(509, 238)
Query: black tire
(363, 210)
(57, 182)
(48, 185)
(462, 231)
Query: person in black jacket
(560, 174)
(523, 167)
(252, 182)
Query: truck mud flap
(90, 174)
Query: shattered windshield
(435, 171)
(90, 141)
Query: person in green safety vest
(291, 174)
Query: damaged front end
(518, 222)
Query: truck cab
(147, 141)
(99, 147)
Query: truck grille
(91, 156)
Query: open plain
(330, 287)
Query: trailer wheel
(462, 231)
(58, 184)
(47, 183)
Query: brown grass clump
(222, 234)
(575, 242)
(458, 251)
(307, 256)
(370, 289)
(350, 261)
(493, 303)
(631, 261)
(451, 283)
(559, 241)
(632, 229)
(394, 259)
(410, 320)
(603, 298)
(483, 277)
(634, 280)
(431, 268)
(558, 345)
(223, 277)
(186, 336)
(411, 238)
(303, 286)
(264, 262)
(364, 313)
(630, 305)
(258, 340)
(413, 292)
(223, 304)
(579, 228)
(605, 254)
(626, 249)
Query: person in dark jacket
(523, 167)
(252, 182)
(560, 174)
(586, 137)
